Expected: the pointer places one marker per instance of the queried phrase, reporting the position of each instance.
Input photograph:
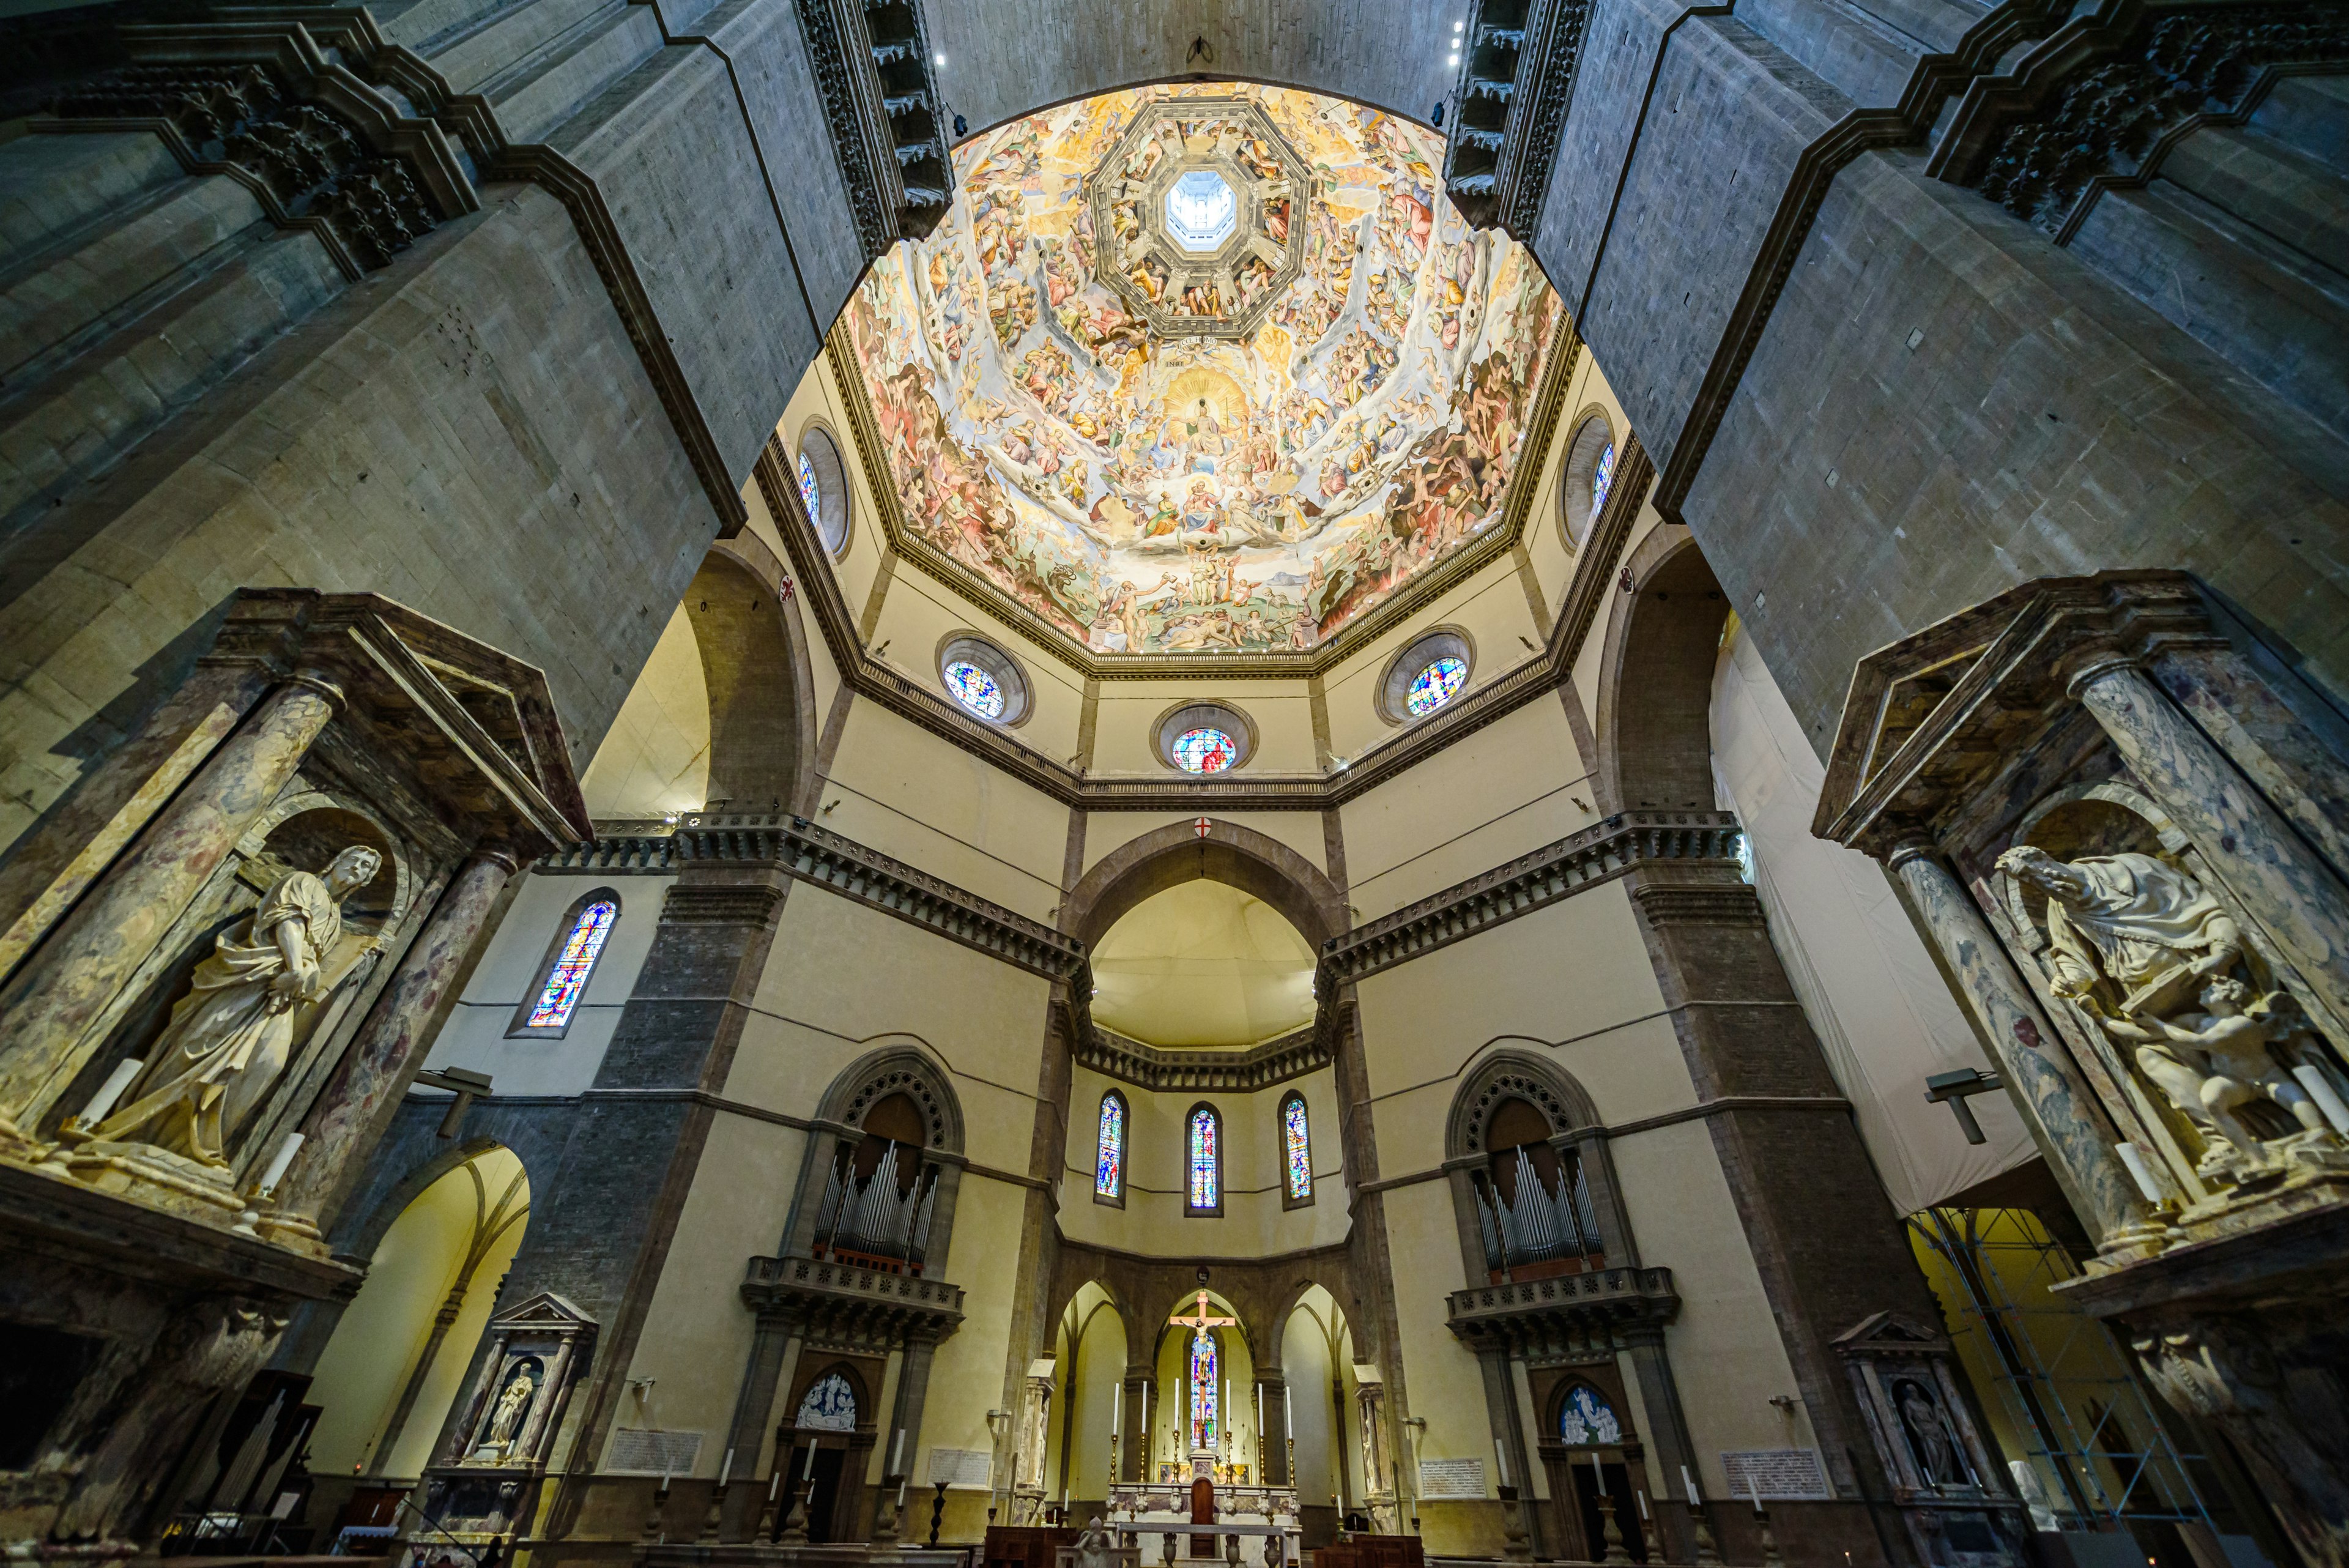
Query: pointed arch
(564, 975)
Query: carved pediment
(546, 1311)
(1886, 1333)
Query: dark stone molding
(1509, 107)
(1599, 853)
(722, 904)
(918, 703)
(2102, 100)
(841, 1307)
(1665, 904)
(810, 854)
(338, 64)
(1495, 544)
(888, 124)
(1569, 1317)
(1292, 1055)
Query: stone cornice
(842, 1305)
(1599, 853)
(920, 704)
(1564, 1317)
(1292, 1055)
(811, 853)
(1495, 544)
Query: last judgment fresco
(1141, 488)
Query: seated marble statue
(2149, 928)
(232, 1036)
(1096, 1548)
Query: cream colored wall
(825, 675)
(1126, 717)
(1253, 1223)
(920, 613)
(817, 400)
(844, 980)
(1573, 983)
(1307, 1364)
(655, 759)
(907, 793)
(1078, 1456)
(1511, 787)
(1108, 831)
(1491, 608)
(512, 967)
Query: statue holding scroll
(233, 1034)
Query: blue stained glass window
(1204, 1414)
(577, 960)
(975, 689)
(1206, 1169)
(810, 493)
(1109, 1157)
(1601, 477)
(1205, 751)
(1435, 686)
(1297, 1147)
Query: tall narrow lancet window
(880, 1194)
(1109, 1150)
(1296, 1150)
(569, 966)
(1533, 1200)
(1205, 1416)
(1205, 1149)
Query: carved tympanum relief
(230, 1039)
(2158, 964)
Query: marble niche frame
(478, 1496)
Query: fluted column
(2058, 1106)
(46, 1019)
(381, 1060)
(2259, 856)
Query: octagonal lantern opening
(1200, 210)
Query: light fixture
(937, 59)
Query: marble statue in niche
(1941, 1459)
(512, 1410)
(2147, 953)
(233, 1034)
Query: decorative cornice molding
(1599, 853)
(1557, 363)
(841, 1306)
(1292, 1055)
(1565, 1317)
(1515, 85)
(811, 853)
(337, 60)
(722, 904)
(920, 704)
(872, 67)
(1668, 904)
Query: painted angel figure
(232, 1036)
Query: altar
(1252, 1524)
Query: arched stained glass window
(574, 961)
(1109, 1151)
(1206, 1151)
(1205, 1416)
(1296, 1148)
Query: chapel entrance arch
(1207, 848)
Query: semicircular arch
(1238, 856)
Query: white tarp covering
(1872, 991)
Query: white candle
(664, 1481)
(1689, 1482)
(725, 1468)
(1501, 1454)
(1643, 1503)
(277, 1163)
(109, 1092)
(2133, 1158)
(1756, 1487)
(774, 1485)
(810, 1471)
(1117, 1411)
(897, 1454)
(2320, 1089)
(1287, 1417)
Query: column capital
(2093, 665)
(1915, 844)
(505, 856)
(312, 678)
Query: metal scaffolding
(2065, 1398)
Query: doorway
(1584, 1514)
(824, 1506)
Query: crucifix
(1202, 1319)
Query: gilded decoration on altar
(1246, 454)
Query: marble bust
(233, 1034)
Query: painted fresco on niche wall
(1148, 490)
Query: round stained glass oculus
(1601, 478)
(1203, 750)
(810, 493)
(975, 689)
(1200, 210)
(1436, 684)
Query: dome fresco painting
(1141, 487)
